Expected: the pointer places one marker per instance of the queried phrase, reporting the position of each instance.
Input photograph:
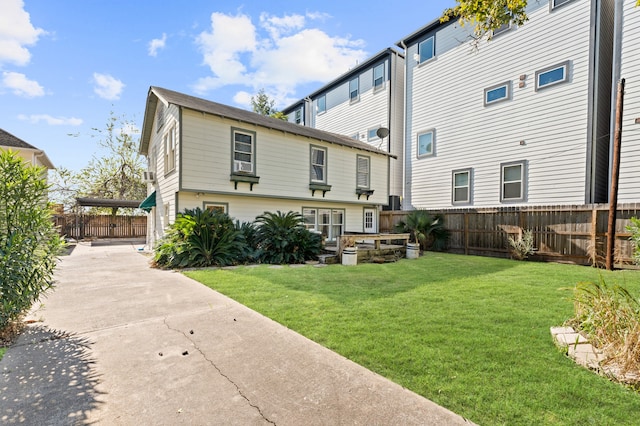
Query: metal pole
(615, 172)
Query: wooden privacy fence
(576, 234)
(83, 226)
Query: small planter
(350, 256)
(413, 250)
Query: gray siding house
(359, 103)
(522, 120)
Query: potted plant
(426, 231)
(348, 250)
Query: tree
(118, 174)
(489, 15)
(29, 243)
(262, 104)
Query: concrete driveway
(119, 343)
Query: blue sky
(66, 64)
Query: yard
(469, 333)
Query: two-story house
(627, 66)
(366, 103)
(28, 152)
(208, 155)
(521, 120)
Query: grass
(469, 333)
(2, 351)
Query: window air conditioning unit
(149, 177)
(242, 166)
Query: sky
(67, 65)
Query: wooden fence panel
(101, 226)
(576, 234)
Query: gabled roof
(11, 141)
(347, 76)
(232, 113)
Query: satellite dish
(382, 132)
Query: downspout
(404, 129)
(389, 159)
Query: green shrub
(610, 317)
(522, 247)
(282, 238)
(200, 238)
(634, 228)
(426, 229)
(29, 243)
(250, 253)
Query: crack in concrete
(257, 408)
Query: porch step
(328, 259)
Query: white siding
(282, 163)
(447, 94)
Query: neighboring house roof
(10, 141)
(347, 76)
(232, 113)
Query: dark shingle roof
(7, 139)
(226, 111)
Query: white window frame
(355, 98)
(502, 29)
(521, 181)
(313, 165)
(431, 153)
(169, 143)
(554, 4)
(212, 205)
(506, 97)
(468, 186)
(331, 230)
(324, 104)
(372, 134)
(565, 78)
(431, 55)
(298, 116)
(235, 152)
(363, 170)
(380, 78)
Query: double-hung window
(426, 49)
(354, 89)
(243, 151)
(426, 143)
(169, 142)
(512, 177)
(363, 172)
(318, 165)
(299, 116)
(500, 92)
(328, 222)
(552, 75)
(461, 186)
(322, 104)
(378, 77)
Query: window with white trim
(426, 143)
(298, 116)
(322, 104)
(501, 29)
(554, 4)
(512, 179)
(378, 76)
(426, 49)
(216, 207)
(328, 222)
(363, 172)
(169, 143)
(318, 164)
(243, 152)
(495, 94)
(372, 134)
(552, 75)
(354, 85)
(461, 186)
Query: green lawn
(470, 333)
(2, 351)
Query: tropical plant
(522, 247)
(29, 242)
(634, 229)
(249, 234)
(610, 317)
(426, 229)
(282, 238)
(200, 238)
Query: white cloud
(107, 87)
(52, 121)
(21, 85)
(157, 44)
(243, 98)
(16, 32)
(279, 55)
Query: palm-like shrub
(200, 238)
(250, 253)
(426, 229)
(282, 238)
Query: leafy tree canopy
(262, 104)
